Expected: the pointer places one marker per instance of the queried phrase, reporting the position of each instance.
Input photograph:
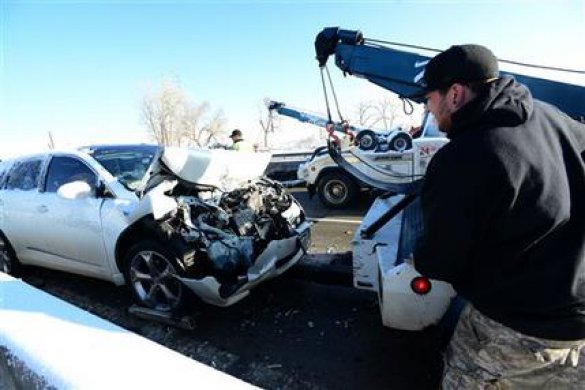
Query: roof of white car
(78, 151)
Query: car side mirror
(75, 190)
(101, 191)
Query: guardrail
(48, 343)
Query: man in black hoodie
(504, 222)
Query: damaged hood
(223, 169)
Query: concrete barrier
(46, 343)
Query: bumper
(400, 306)
(278, 257)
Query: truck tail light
(421, 285)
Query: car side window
(24, 175)
(63, 170)
(4, 168)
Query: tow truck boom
(399, 71)
(365, 139)
(304, 117)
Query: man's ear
(458, 96)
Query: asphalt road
(332, 230)
(290, 333)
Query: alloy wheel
(154, 280)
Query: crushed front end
(226, 243)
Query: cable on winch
(330, 126)
(334, 94)
(325, 94)
(344, 123)
(377, 42)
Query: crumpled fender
(155, 202)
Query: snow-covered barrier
(46, 343)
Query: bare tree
(172, 120)
(379, 113)
(212, 129)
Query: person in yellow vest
(239, 144)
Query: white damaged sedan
(162, 220)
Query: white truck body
(337, 189)
(379, 266)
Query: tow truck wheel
(337, 190)
(8, 262)
(152, 275)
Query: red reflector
(420, 285)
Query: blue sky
(80, 68)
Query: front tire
(151, 273)
(337, 190)
(9, 264)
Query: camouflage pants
(484, 354)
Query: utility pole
(51, 143)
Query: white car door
(71, 228)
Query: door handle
(42, 208)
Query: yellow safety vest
(242, 146)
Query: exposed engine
(228, 232)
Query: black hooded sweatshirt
(504, 212)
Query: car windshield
(127, 163)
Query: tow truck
(395, 152)
(386, 237)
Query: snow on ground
(71, 348)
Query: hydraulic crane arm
(400, 71)
(365, 139)
(304, 117)
(394, 70)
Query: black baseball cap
(236, 133)
(458, 64)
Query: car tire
(337, 190)
(151, 272)
(400, 142)
(9, 264)
(367, 140)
